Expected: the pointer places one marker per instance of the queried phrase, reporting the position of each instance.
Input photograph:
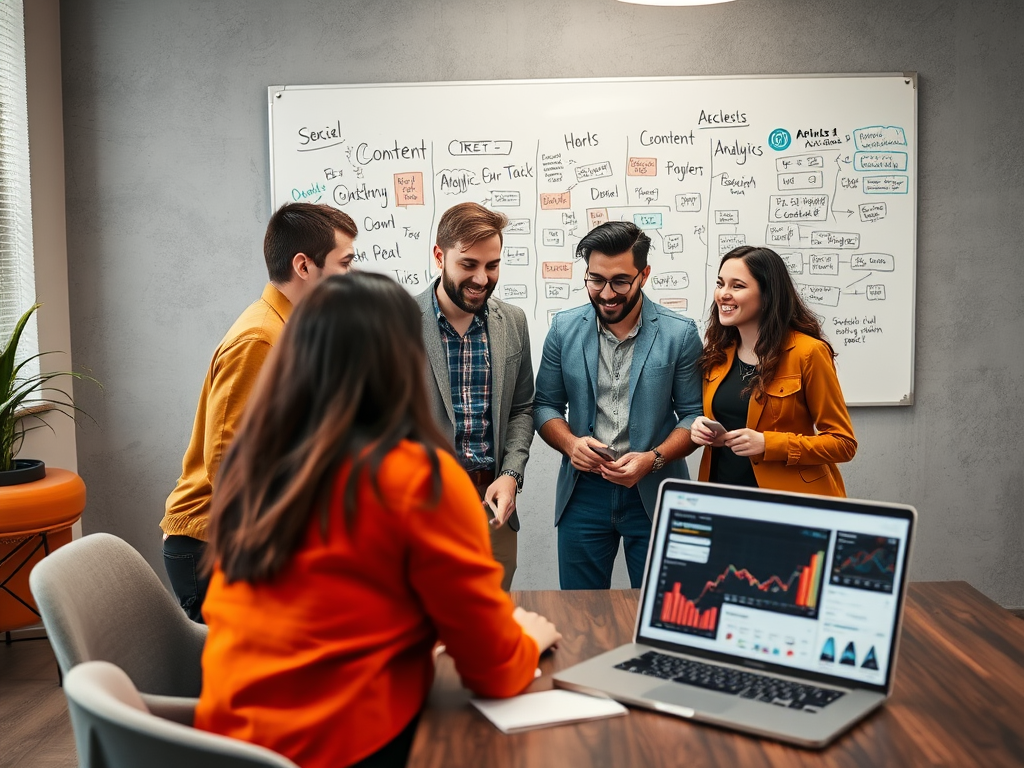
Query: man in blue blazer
(626, 368)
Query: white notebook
(544, 709)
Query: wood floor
(35, 731)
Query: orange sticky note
(409, 189)
(642, 166)
(554, 201)
(679, 305)
(596, 216)
(557, 270)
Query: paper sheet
(547, 708)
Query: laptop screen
(777, 581)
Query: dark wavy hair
(613, 238)
(343, 384)
(782, 310)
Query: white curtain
(17, 274)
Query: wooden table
(958, 700)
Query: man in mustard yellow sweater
(304, 244)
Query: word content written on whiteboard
(822, 169)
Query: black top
(730, 408)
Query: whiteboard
(823, 169)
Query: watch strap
(515, 476)
(659, 460)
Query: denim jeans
(598, 514)
(182, 555)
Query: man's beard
(459, 299)
(621, 310)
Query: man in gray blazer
(627, 370)
(480, 373)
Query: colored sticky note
(409, 189)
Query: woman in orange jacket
(775, 414)
(346, 543)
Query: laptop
(776, 614)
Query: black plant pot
(24, 471)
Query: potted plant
(38, 506)
(23, 396)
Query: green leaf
(17, 392)
(7, 369)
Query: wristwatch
(515, 476)
(659, 460)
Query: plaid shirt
(469, 376)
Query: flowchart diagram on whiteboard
(820, 168)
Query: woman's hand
(702, 434)
(536, 626)
(744, 442)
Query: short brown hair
(466, 224)
(302, 228)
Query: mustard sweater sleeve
(233, 379)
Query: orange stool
(35, 519)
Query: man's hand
(583, 458)
(501, 494)
(629, 468)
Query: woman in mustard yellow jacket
(775, 413)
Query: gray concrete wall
(167, 198)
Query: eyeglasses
(620, 285)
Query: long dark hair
(345, 382)
(782, 310)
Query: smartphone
(605, 453)
(714, 426)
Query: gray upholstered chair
(114, 728)
(101, 601)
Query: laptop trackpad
(687, 696)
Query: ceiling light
(674, 2)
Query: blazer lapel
(591, 354)
(436, 355)
(497, 339)
(754, 410)
(714, 380)
(644, 341)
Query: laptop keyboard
(746, 685)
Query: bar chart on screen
(801, 589)
(781, 570)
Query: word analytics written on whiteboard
(830, 188)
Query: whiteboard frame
(910, 78)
